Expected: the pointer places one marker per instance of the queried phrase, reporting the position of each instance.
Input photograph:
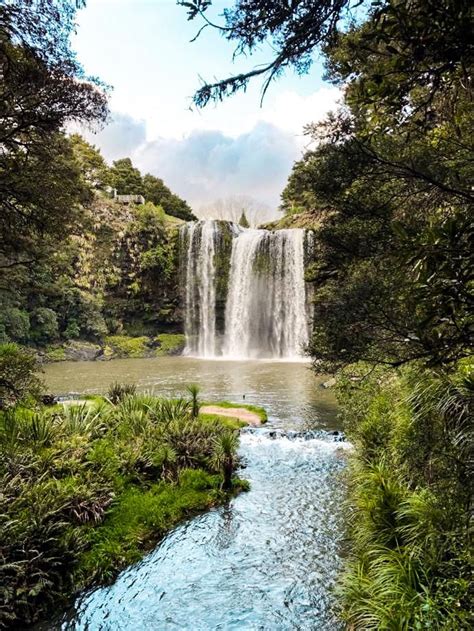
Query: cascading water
(266, 304)
(200, 323)
(265, 298)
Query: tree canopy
(42, 88)
(418, 41)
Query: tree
(41, 89)
(42, 85)
(158, 193)
(243, 221)
(416, 43)
(92, 165)
(125, 178)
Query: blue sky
(142, 49)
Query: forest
(385, 190)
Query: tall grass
(408, 505)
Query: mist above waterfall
(244, 292)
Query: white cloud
(291, 111)
(208, 164)
(120, 138)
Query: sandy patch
(242, 414)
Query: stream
(268, 559)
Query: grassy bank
(87, 489)
(409, 498)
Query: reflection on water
(289, 391)
(266, 561)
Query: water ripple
(266, 561)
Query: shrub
(408, 499)
(118, 391)
(87, 488)
(18, 380)
(15, 324)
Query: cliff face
(128, 262)
(116, 276)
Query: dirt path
(242, 414)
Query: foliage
(87, 488)
(119, 391)
(42, 88)
(156, 192)
(44, 325)
(15, 324)
(18, 380)
(125, 178)
(193, 390)
(415, 44)
(92, 165)
(389, 185)
(408, 565)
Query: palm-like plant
(224, 456)
(194, 390)
(119, 391)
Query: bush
(408, 498)
(15, 324)
(87, 488)
(18, 380)
(118, 391)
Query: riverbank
(87, 489)
(252, 415)
(114, 347)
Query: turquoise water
(267, 560)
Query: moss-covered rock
(170, 344)
(124, 346)
(117, 347)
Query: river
(268, 559)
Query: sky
(238, 148)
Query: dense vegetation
(113, 274)
(87, 486)
(388, 185)
(74, 263)
(388, 191)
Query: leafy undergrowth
(408, 507)
(87, 489)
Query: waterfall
(257, 290)
(266, 304)
(200, 319)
